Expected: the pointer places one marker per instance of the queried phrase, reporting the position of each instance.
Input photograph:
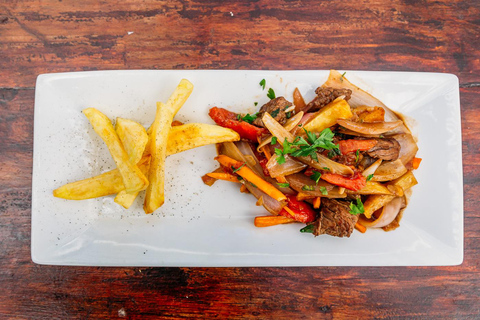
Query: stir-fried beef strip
(276, 107)
(385, 149)
(335, 219)
(325, 96)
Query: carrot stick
(223, 176)
(360, 228)
(267, 153)
(246, 173)
(416, 162)
(317, 202)
(281, 179)
(268, 221)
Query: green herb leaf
(316, 176)
(324, 191)
(255, 104)
(357, 154)
(274, 141)
(326, 168)
(283, 185)
(358, 208)
(369, 177)
(262, 84)
(308, 188)
(343, 75)
(248, 117)
(236, 169)
(288, 115)
(274, 113)
(280, 156)
(308, 229)
(271, 94)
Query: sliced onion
(353, 133)
(371, 170)
(369, 127)
(276, 129)
(361, 98)
(271, 205)
(408, 147)
(389, 213)
(389, 170)
(290, 166)
(289, 126)
(323, 162)
(305, 119)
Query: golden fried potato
(192, 135)
(133, 178)
(328, 115)
(134, 139)
(155, 197)
(107, 183)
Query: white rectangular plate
(213, 226)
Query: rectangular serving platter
(213, 226)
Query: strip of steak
(276, 107)
(325, 96)
(335, 219)
(385, 149)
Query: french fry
(133, 136)
(192, 135)
(99, 186)
(134, 139)
(115, 186)
(133, 178)
(155, 197)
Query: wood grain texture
(38, 36)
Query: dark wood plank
(52, 36)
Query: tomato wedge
(301, 210)
(228, 119)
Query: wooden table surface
(42, 36)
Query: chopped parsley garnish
(283, 185)
(316, 176)
(343, 75)
(324, 191)
(326, 168)
(357, 154)
(308, 188)
(262, 84)
(274, 141)
(369, 177)
(304, 148)
(288, 115)
(308, 229)
(358, 208)
(274, 113)
(248, 117)
(255, 104)
(271, 94)
(236, 169)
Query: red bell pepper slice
(355, 182)
(228, 119)
(352, 145)
(302, 210)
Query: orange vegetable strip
(352, 145)
(416, 162)
(289, 211)
(223, 176)
(281, 179)
(298, 100)
(266, 151)
(243, 189)
(246, 173)
(268, 221)
(355, 183)
(317, 202)
(360, 227)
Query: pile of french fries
(140, 155)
